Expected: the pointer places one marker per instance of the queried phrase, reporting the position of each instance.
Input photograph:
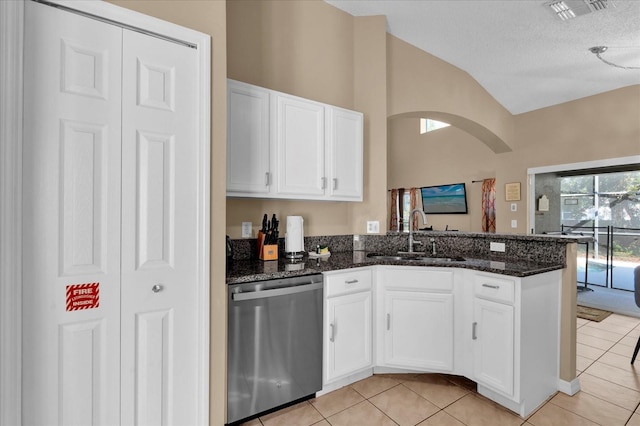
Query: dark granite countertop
(241, 271)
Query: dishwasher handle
(263, 294)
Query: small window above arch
(429, 125)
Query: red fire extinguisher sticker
(83, 296)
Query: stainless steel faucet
(424, 219)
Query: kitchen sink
(413, 258)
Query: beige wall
(208, 17)
(316, 51)
(593, 128)
(420, 82)
(310, 49)
(443, 156)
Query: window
(429, 125)
(405, 205)
(601, 200)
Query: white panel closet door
(71, 221)
(159, 232)
(110, 200)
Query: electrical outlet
(514, 223)
(246, 229)
(493, 246)
(373, 227)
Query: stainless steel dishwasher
(274, 344)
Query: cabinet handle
(266, 179)
(350, 281)
(335, 183)
(473, 331)
(388, 321)
(491, 286)
(324, 183)
(331, 339)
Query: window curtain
(393, 215)
(398, 209)
(489, 205)
(413, 202)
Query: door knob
(157, 288)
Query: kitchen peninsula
(533, 274)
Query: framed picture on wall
(512, 191)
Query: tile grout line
(614, 323)
(618, 384)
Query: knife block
(269, 252)
(266, 252)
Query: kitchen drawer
(494, 288)
(347, 282)
(417, 279)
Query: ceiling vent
(569, 9)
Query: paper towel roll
(294, 237)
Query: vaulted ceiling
(519, 50)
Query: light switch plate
(514, 207)
(246, 229)
(373, 227)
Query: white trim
(533, 171)
(633, 159)
(11, 46)
(11, 31)
(204, 220)
(135, 19)
(570, 388)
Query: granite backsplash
(534, 248)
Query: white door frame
(11, 59)
(532, 172)
(11, 39)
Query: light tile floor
(610, 392)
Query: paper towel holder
(294, 238)
(294, 255)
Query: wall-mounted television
(444, 199)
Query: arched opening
(483, 134)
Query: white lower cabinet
(348, 324)
(493, 344)
(514, 335)
(500, 331)
(415, 318)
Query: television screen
(444, 199)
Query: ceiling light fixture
(597, 50)
(569, 9)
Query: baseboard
(570, 388)
(345, 381)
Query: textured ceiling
(518, 50)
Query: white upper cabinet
(248, 140)
(300, 143)
(344, 165)
(284, 146)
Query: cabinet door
(300, 147)
(493, 328)
(248, 139)
(344, 141)
(419, 330)
(349, 331)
